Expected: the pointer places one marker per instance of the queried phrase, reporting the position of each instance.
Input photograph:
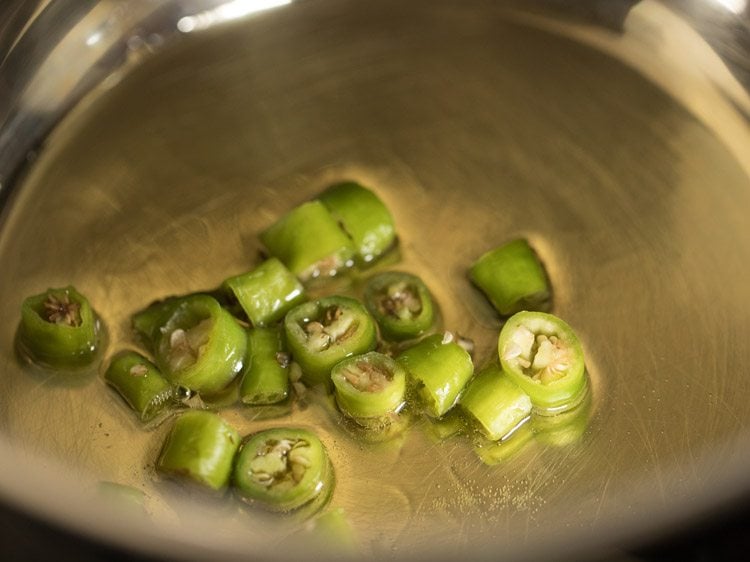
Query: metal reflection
(734, 6)
(226, 12)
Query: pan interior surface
(475, 130)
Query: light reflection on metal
(226, 12)
(734, 6)
(94, 38)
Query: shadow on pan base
(23, 538)
(724, 538)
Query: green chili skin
(59, 329)
(544, 357)
(140, 384)
(282, 469)
(513, 278)
(147, 322)
(440, 368)
(267, 292)
(266, 378)
(363, 216)
(401, 305)
(200, 345)
(495, 402)
(321, 333)
(369, 386)
(200, 447)
(309, 241)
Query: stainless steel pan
(144, 145)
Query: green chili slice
(440, 368)
(309, 241)
(543, 356)
(283, 469)
(321, 333)
(148, 321)
(369, 386)
(401, 305)
(200, 345)
(266, 378)
(200, 447)
(495, 402)
(139, 383)
(267, 292)
(513, 278)
(363, 216)
(59, 329)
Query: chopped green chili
(495, 402)
(309, 241)
(321, 333)
(200, 447)
(440, 368)
(513, 278)
(266, 378)
(369, 386)
(140, 384)
(543, 356)
(59, 329)
(401, 305)
(363, 216)
(267, 292)
(200, 345)
(200, 348)
(283, 469)
(148, 321)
